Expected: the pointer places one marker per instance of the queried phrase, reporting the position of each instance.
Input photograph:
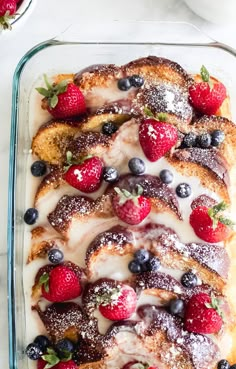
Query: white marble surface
(48, 19)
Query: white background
(49, 18)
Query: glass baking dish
(68, 53)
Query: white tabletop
(48, 19)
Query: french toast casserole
(130, 261)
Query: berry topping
(7, 11)
(60, 284)
(189, 140)
(55, 256)
(153, 264)
(119, 304)
(43, 342)
(136, 80)
(204, 140)
(166, 176)
(203, 315)
(33, 351)
(30, 216)
(64, 346)
(176, 306)
(207, 97)
(132, 208)
(183, 190)
(223, 364)
(136, 166)
(110, 174)
(62, 100)
(157, 137)
(124, 84)
(141, 256)
(109, 128)
(209, 224)
(134, 267)
(38, 168)
(189, 280)
(85, 176)
(217, 137)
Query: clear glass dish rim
(13, 149)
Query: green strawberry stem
(206, 76)
(52, 359)
(161, 117)
(215, 213)
(215, 304)
(70, 161)
(5, 20)
(108, 298)
(44, 281)
(125, 195)
(52, 91)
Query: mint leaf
(204, 74)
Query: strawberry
(209, 223)
(202, 314)
(62, 100)
(7, 11)
(60, 284)
(205, 96)
(157, 137)
(131, 208)
(85, 176)
(41, 364)
(118, 304)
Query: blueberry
(43, 342)
(176, 306)
(38, 168)
(55, 256)
(110, 174)
(136, 166)
(189, 280)
(166, 176)
(134, 267)
(141, 256)
(136, 80)
(109, 128)
(223, 364)
(183, 190)
(233, 366)
(217, 137)
(124, 84)
(33, 351)
(189, 139)
(153, 264)
(204, 140)
(64, 346)
(31, 216)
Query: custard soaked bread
(131, 259)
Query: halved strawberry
(207, 97)
(118, 304)
(209, 224)
(157, 137)
(62, 100)
(202, 314)
(60, 284)
(132, 208)
(86, 176)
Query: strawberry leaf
(108, 298)
(61, 87)
(49, 86)
(226, 222)
(204, 74)
(53, 101)
(43, 91)
(162, 117)
(148, 112)
(216, 217)
(5, 20)
(44, 281)
(66, 356)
